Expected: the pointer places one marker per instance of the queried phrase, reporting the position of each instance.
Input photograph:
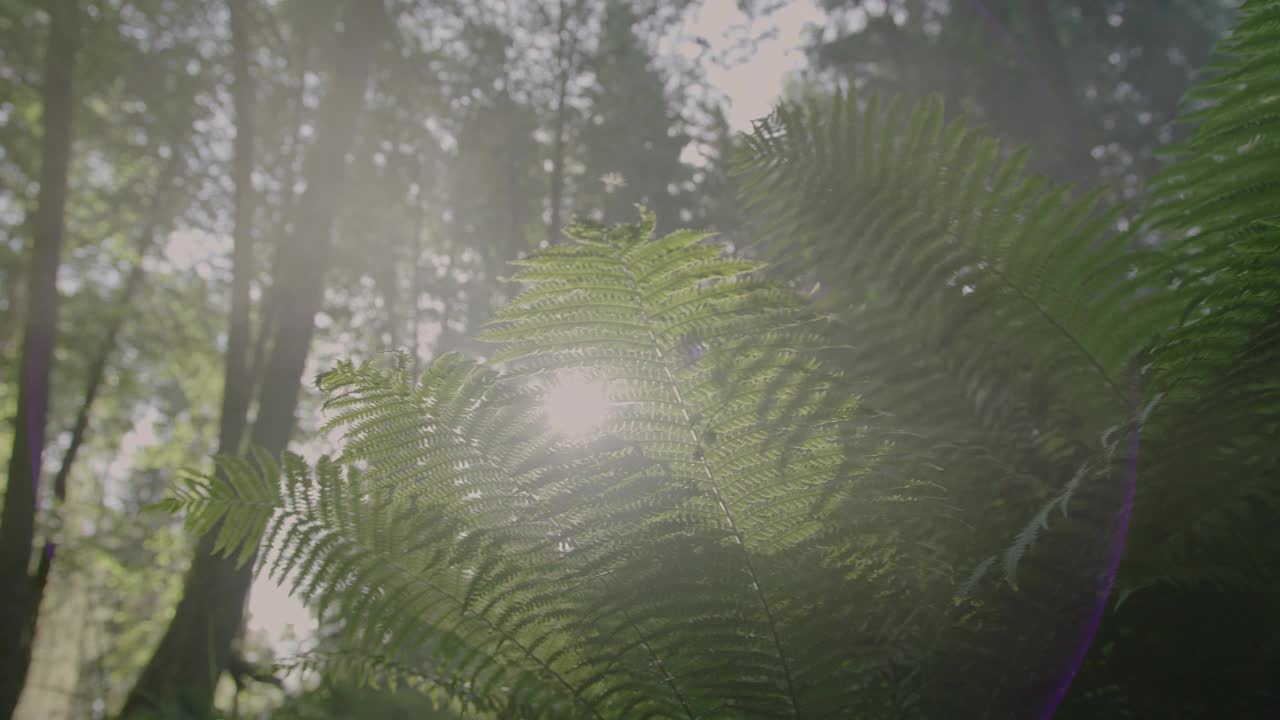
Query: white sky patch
(142, 436)
(289, 627)
(754, 85)
(192, 250)
(125, 461)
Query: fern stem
(662, 667)
(633, 286)
(539, 662)
(663, 672)
(1121, 533)
(1070, 336)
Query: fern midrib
(663, 672)
(633, 286)
(577, 695)
(1062, 330)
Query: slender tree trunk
(15, 305)
(561, 120)
(17, 529)
(154, 225)
(1076, 131)
(557, 162)
(196, 647)
(415, 284)
(516, 240)
(266, 315)
(237, 385)
(304, 258)
(387, 281)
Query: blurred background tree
(1092, 85)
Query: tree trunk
(17, 529)
(156, 220)
(563, 67)
(184, 671)
(236, 385)
(14, 305)
(289, 205)
(415, 284)
(557, 163)
(1076, 131)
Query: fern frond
(677, 561)
(968, 252)
(1213, 495)
(992, 314)
(237, 503)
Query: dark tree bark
(289, 204)
(415, 283)
(557, 161)
(14, 304)
(564, 69)
(196, 647)
(152, 228)
(236, 385)
(17, 529)
(1077, 131)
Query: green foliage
(992, 313)
(907, 221)
(332, 702)
(996, 319)
(751, 532)
(1093, 87)
(674, 563)
(1219, 366)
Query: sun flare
(576, 403)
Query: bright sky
(753, 86)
